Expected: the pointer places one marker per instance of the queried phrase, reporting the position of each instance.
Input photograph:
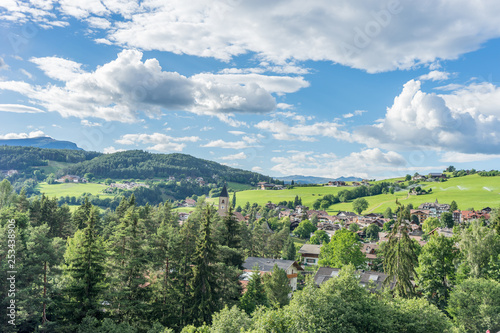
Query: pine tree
(290, 250)
(255, 295)
(231, 235)
(82, 214)
(22, 201)
(166, 259)
(128, 262)
(234, 200)
(400, 258)
(453, 206)
(277, 287)
(84, 258)
(42, 256)
(204, 283)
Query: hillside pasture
(471, 191)
(73, 189)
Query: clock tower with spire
(223, 202)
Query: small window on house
(311, 260)
(222, 200)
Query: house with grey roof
(266, 265)
(370, 279)
(310, 254)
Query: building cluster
(435, 209)
(127, 185)
(71, 179)
(267, 186)
(198, 180)
(9, 173)
(430, 177)
(339, 183)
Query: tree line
(137, 269)
(138, 164)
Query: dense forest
(143, 165)
(137, 269)
(132, 164)
(22, 158)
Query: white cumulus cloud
(33, 134)
(119, 89)
(19, 108)
(238, 156)
(160, 142)
(465, 121)
(368, 162)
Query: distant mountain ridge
(40, 142)
(314, 180)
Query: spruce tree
(400, 258)
(290, 251)
(231, 235)
(234, 200)
(277, 287)
(129, 261)
(204, 283)
(85, 258)
(82, 214)
(40, 262)
(255, 295)
(166, 260)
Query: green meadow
(73, 189)
(469, 192)
(308, 194)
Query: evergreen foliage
(400, 258)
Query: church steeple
(223, 202)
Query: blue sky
(368, 89)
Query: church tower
(223, 202)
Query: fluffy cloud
(228, 145)
(58, 68)
(33, 134)
(18, 108)
(302, 132)
(161, 142)
(87, 123)
(272, 84)
(238, 156)
(435, 76)
(355, 113)
(368, 37)
(118, 89)
(465, 121)
(358, 164)
(375, 36)
(111, 150)
(237, 132)
(454, 157)
(257, 169)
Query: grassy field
(53, 167)
(308, 195)
(239, 187)
(73, 189)
(469, 192)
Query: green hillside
(138, 164)
(471, 191)
(73, 189)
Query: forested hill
(40, 142)
(139, 164)
(22, 158)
